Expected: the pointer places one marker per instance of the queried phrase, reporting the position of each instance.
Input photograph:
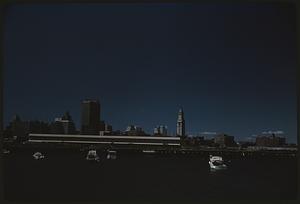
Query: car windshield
(217, 163)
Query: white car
(216, 163)
(6, 151)
(92, 156)
(38, 155)
(111, 154)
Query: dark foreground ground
(65, 175)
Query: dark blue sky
(232, 67)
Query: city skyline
(99, 125)
(145, 61)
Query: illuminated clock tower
(180, 131)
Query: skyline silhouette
(231, 67)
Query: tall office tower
(90, 117)
(163, 130)
(180, 131)
(156, 131)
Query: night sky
(231, 67)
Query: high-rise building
(161, 130)
(56, 127)
(101, 125)
(108, 127)
(180, 131)
(107, 130)
(156, 131)
(64, 125)
(130, 128)
(90, 117)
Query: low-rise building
(193, 141)
(133, 130)
(224, 140)
(139, 142)
(270, 141)
(18, 130)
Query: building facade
(224, 140)
(180, 130)
(270, 141)
(108, 127)
(161, 130)
(19, 128)
(108, 131)
(63, 125)
(133, 130)
(101, 125)
(90, 117)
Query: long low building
(113, 140)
